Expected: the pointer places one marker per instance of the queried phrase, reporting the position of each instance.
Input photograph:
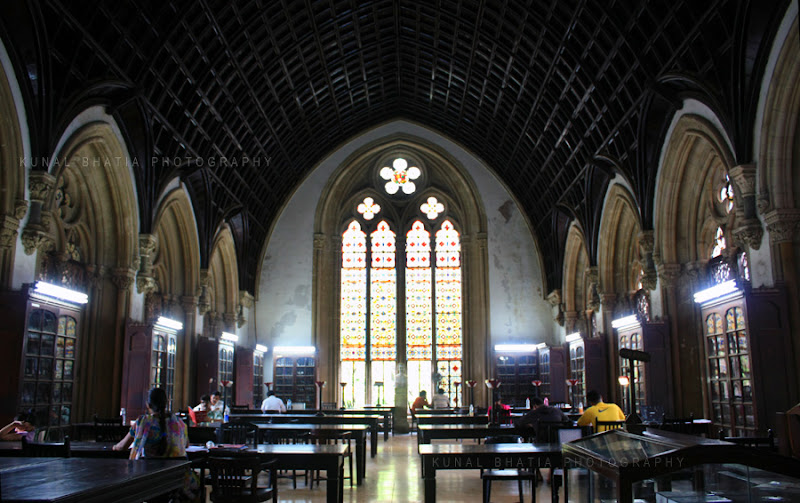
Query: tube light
(169, 323)
(515, 348)
(294, 350)
(59, 292)
(260, 348)
(227, 336)
(625, 322)
(574, 337)
(541, 345)
(716, 291)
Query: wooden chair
(234, 478)
(45, 449)
(238, 433)
(108, 429)
(488, 476)
(600, 426)
(566, 433)
(322, 437)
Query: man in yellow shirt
(599, 410)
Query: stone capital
(40, 183)
(123, 278)
(646, 241)
(669, 274)
(189, 304)
(35, 238)
(749, 232)
(554, 298)
(146, 284)
(246, 299)
(147, 244)
(8, 232)
(20, 209)
(782, 225)
(744, 176)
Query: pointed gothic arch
(576, 281)
(618, 256)
(358, 177)
(224, 280)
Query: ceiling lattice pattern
(539, 89)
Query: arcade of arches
(403, 259)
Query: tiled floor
(395, 475)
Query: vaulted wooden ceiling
(555, 95)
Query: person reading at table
(217, 408)
(440, 400)
(599, 410)
(22, 426)
(273, 403)
(420, 402)
(503, 411)
(161, 434)
(529, 423)
(204, 405)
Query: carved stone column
(204, 302)
(123, 279)
(748, 229)
(146, 282)
(189, 304)
(36, 235)
(646, 245)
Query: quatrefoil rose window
(369, 208)
(432, 208)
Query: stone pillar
(123, 279)
(784, 228)
(9, 225)
(478, 353)
(36, 235)
(189, 304)
(204, 301)
(146, 282)
(668, 275)
(647, 245)
(748, 227)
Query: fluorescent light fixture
(165, 322)
(260, 348)
(227, 336)
(716, 291)
(59, 292)
(623, 380)
(574, 337)
(294, 350)
(541, 345)
(515, 348)
(625, 322)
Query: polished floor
(395, 475)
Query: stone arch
(619, 260)
(13, 205)
(177, 258)
(780, 134)
(445, 178)
(576, 280)
(91, 220)
(686, 219)
(224, 280)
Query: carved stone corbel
(748, 229)
(204, 301)
(669, 274)
(649, 274)
(783, 225)
(36, 234)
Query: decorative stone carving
(763, 203)
(122, 278)
(649, 274)
(593, 298)
(20, 209)
(669, 274)
(744, 175)
(95, 275)
(33, 240)
(204, 294)
(554, 298)
(749, 233)
(246, 299)
(189, 304)
(319, 241)
(783, 225)
(146, 284)
(40, 183)
(229, 320)
(8, 232)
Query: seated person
(22, 426)
(204, 405)
(529, 423)
(440, 400)
(216, 407)
(420, 402)
(161, 434)
(503, 411)
(273, 403)
(599, 411)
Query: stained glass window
(370, 306)
(400, 176)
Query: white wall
(518, 311)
